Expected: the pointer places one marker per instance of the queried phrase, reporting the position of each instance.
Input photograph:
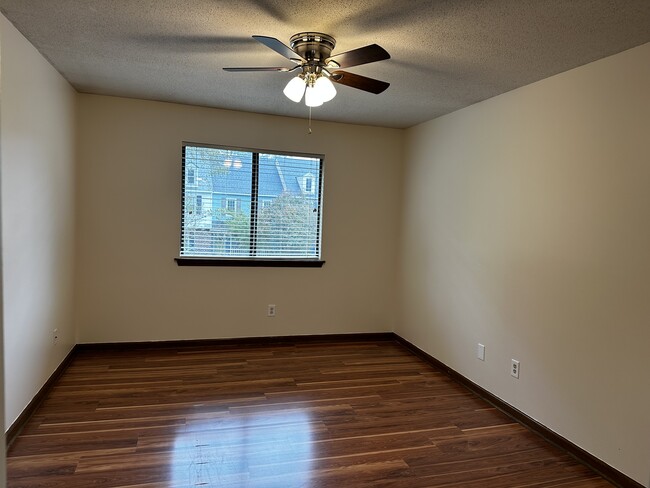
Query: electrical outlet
(55, 336)
(480, 352)
(270, 311)
(514, 368)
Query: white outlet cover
(514, 368)
(480, 352)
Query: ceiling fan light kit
(316, 92)
(311, 51)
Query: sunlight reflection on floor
(220, 452)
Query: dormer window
(308, 183)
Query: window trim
(253, 261)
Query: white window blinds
(253, 205)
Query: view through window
(248, 204)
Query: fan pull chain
(309, 131)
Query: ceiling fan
(311, 53)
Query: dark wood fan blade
(357, 81)
(279, 47)
(234, 70)
(362, 55)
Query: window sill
(267, 263)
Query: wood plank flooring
(308, 415)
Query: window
(190, 178)
(265, 208)
(231, 204)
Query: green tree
(287, 226)
(239, 228)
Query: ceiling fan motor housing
(315, 47)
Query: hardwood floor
(363, 414)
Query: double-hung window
(255, 209)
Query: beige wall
(37, 119)
(3, 472)
(526, 228)
(129, 287)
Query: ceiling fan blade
(279, 47)
(234, 70)
(362, 55)
(360, 82)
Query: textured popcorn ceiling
(446, 54)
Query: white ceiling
(445, 54)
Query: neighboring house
(218, 202)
